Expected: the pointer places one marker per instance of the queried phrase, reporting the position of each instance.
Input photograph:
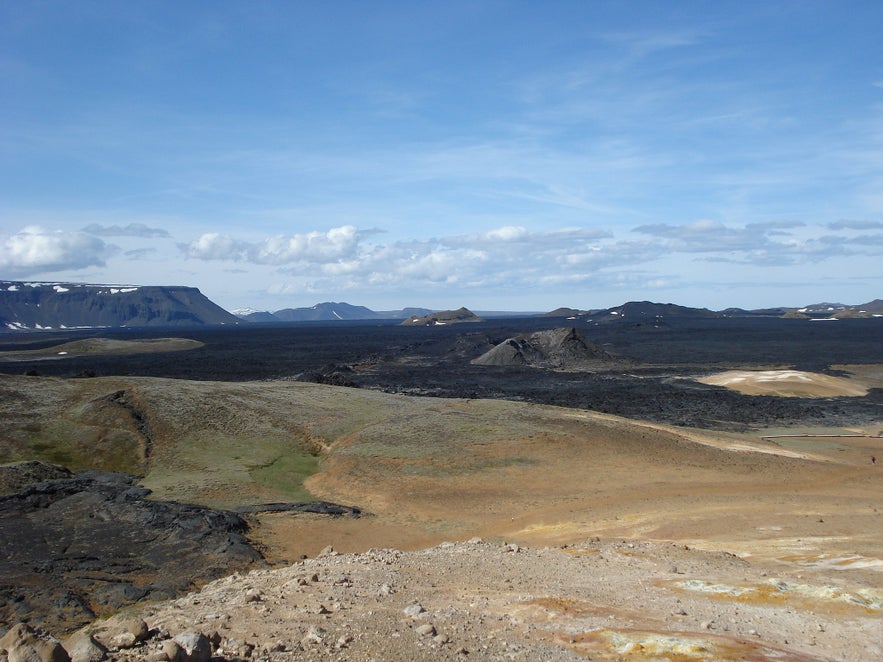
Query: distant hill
(568, 313)
(562, 348)
(840, 311)
(329, 311)
(444, 317)
(639, 312)
(32, 306)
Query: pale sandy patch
(786, 383)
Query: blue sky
(497, 155)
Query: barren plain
(500, 528)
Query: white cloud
(776, 243)
(130, 230)
(514, 259)
(316, 247)
(35, 250)
(216, 246)
(280, 250)
(507, 233)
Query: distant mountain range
(329, 311)
(26, 306)
(645, 311)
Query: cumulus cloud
(35, 250)
(507, 233)
(216, 246)
(513, 258)
(316, 247)
(312, 247)
(130, 230)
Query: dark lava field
(654, 382)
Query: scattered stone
(414, 610)
(343, 641)
(83, 647)
(313, 636)
(195, 647)
(385, 589)
(172, 651)
(426, 630)
(121, 632)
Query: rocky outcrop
(29, 306)
(444, 317)
(333, 374)
(72, 548)
(563, 348)
(16, 476)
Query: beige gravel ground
(493, 601)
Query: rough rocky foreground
(77, 546)
(481, 600)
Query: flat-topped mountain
(443, 317)
(29, 306)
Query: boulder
(83, 647)
(120, 632)
(194, 647)
(24, 643)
